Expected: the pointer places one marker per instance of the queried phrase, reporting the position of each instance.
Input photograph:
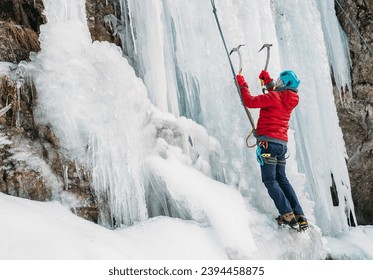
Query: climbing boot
(302, 221)
(289, 220)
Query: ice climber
(272, 134)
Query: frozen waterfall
(165, 133)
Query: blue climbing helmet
(287, 79)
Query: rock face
(19, 26)
(31, 165)
(27, 13)
(356, 115)
(99, 13)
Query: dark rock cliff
(356, 115)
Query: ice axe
(253, 131)
(237, 49)
(268, 46)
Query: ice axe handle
(268, 46)
(265, 69)
(267, 60)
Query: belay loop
(253, 130)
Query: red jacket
(276, 108)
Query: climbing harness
(265, 158)
(253, 130)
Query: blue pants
(275, 180)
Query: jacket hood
(289, 98)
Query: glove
(241, 81)
(264, 76)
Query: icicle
(21, 74)
(112, 21)
(129, 35)
(131, 27)
(65, 177)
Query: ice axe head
(268, 54)
(237, 49)
(265, 46)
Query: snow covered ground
(33, 230)
(46, 231)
